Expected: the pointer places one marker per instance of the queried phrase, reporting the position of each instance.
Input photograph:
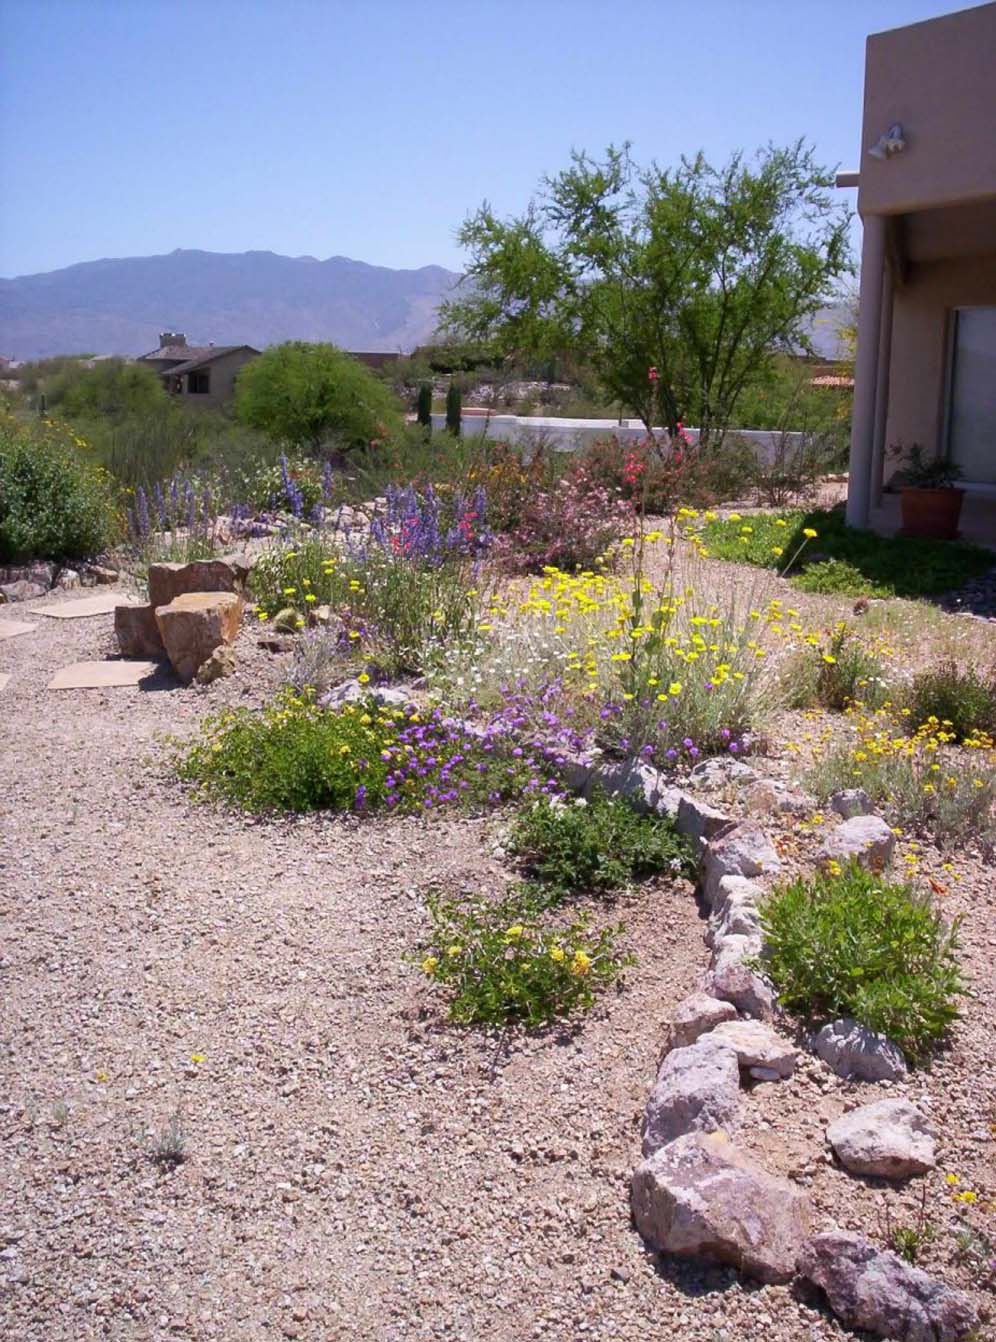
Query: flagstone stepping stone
(4, 678)
(84, 606)
(11, 628)
(102, 675)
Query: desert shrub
(923, 781)
(597, 845)
(834, 671)
(658, 478)
(569, 526)
(297, 756)
(837, 577)
(963, 701)
(855, 945)
(55, 501)
(315, 396)
(503, 964)
(295, 485)
(894, 566)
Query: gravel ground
(356, 1168)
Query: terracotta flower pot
(932, 513)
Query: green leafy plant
(503, 964)
(963, 700)
(314, 396)
(837, 577)
(597, 845)
(918, 471)
(55, 502)
(852, 944)
(890, 566)
(835, 672)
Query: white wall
(567, 435)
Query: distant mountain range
(252, 298)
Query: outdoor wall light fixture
(889, 144)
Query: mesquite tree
(676, 285)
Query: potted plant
(929, 501)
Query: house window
(198, 384)
(972, 414)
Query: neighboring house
(204, 373)
(925, 368)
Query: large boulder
(699, 821)
(852, 801)
(196, 623)
(865, 839)
(168, 581)
(137, 632)
(697, 1090)
(697, 1015)
(875, 1290)
(761, 1052)
(700, 1197)
(890, 1139)
(21, 590)
(858, 1054)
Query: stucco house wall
(918, 372)
(223, 372)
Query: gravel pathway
(355, 1168)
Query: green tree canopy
(315, 395)
(676, 285)
(111, 389)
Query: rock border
(694, 1193)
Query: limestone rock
(699, 821)
(641, 784)
(351, 692)
(196, 623)
(865, 839)
(852, 801)
(137, 632)
(717, 773)
(749, 993)
(858, 1054)
(890, 1139)
(744, 851)
(220, 663)
(767, 796)
(696, 1015)
(702, 1198)
(168, 581)
(756, 1046)
(22, 590)
(68, 580)
(875, 1290)
(734, 949)
(735, 909)
(697, 1090)
(98, 575)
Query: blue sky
(369, 129)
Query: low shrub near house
(55, 502)
(506, 963)
(893, 566)
(598, 845)
(962, 700)
(856, 945)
